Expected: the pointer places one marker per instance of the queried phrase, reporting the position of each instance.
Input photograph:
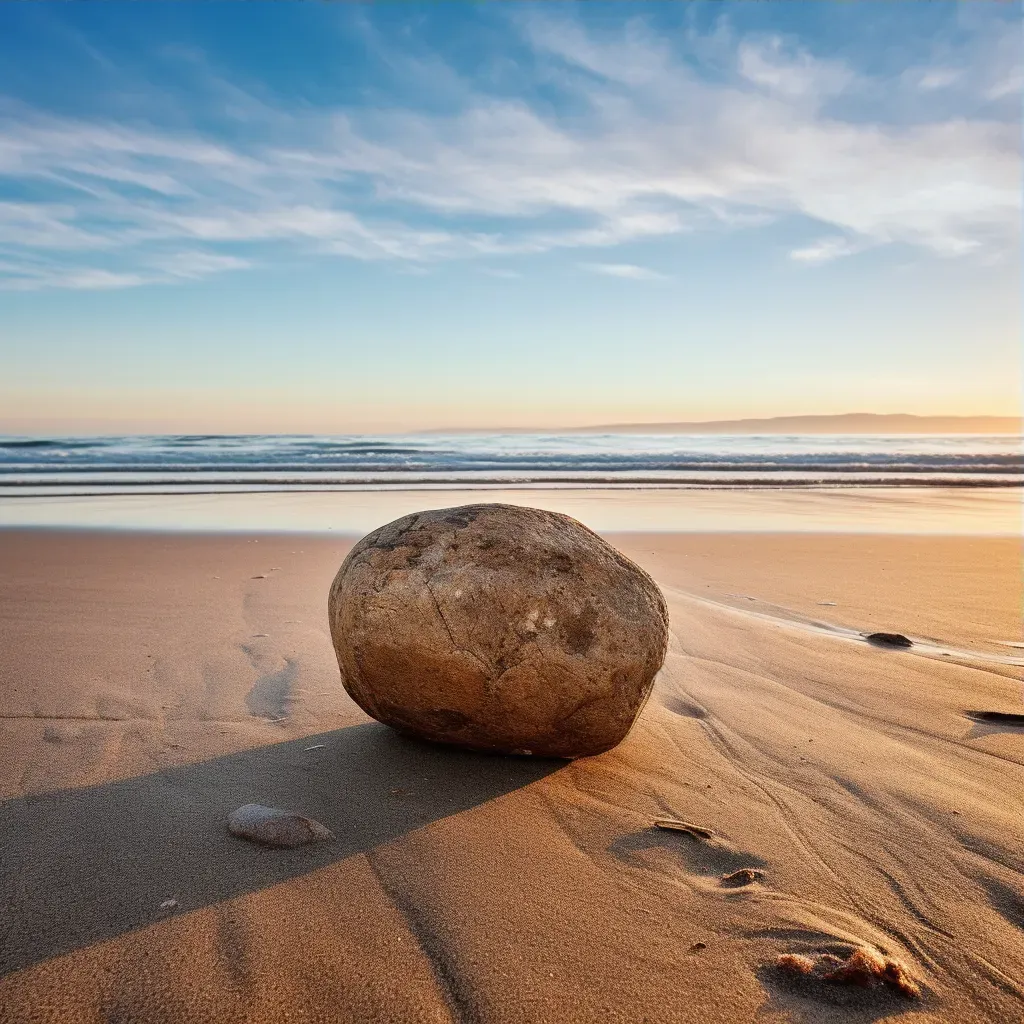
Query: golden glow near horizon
(189, 414)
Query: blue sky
(309, 217)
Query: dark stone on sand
(498, 628)
(889, 640)
(271, 826)
(999, 717)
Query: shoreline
(902, 510)
(19, 490)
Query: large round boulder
(500, 628)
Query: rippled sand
(150, 684)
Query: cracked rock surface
(497, 627)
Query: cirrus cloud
(649, 142)
(629, 271)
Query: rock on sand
(499, 628)
(889, 640)
(271, 826)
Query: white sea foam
(196, 464)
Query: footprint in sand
(708, 856)
(271, 694)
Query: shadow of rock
(85, 865)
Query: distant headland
(842, 423)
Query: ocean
(612, 482)
(81, 466)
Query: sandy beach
(151, 683)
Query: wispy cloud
(824, 250)
(200, 264)
(630, 271)
(656, 145)
(19, 277)
(779, 67)
(933, 77)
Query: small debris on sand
(271, 826)
(168, 904)
(889, 640)
(698, 946)
(745, 876)
(316, 746)
(696, 831)
(828, 604)
(261, 577)
(61, 733)
(864, 967)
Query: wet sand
(150, 684)
(974, 511)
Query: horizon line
(854, 422)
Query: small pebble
(271, 826)
(889, 640)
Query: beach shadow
(1007, 902)
(987, 723)
(85, 865)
